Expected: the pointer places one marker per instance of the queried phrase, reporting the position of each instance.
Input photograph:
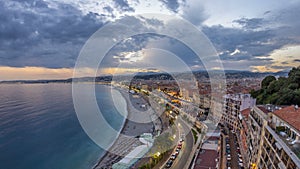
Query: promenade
(138, 121)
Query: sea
(39, 128)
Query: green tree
(267, 80)
(283, 91)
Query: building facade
(273, 140)
(233, 105)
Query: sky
(42, 39)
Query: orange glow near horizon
(34, 73)
(263, 69)
(42, 73)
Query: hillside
(281, 91)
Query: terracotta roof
(206, 159)
(291, 115)
(263, 109)
(246, 112)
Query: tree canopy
(281, 91)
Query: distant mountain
(243, 74)
(155, 75)
(70, 80)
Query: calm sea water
(39, 128)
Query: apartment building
(257, 120)
(243, 132)
(233, 105)
(273, 140)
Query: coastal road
(180, 163)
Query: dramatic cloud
(37, 33)
(47, 33)
(249, 43)
(256, 39)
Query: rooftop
(208, 155)
(263, 109)
(246, 112)
(206, 159)
(291, 115)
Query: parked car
(169, 163)
(173, 156)
(228, 163)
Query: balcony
(283, 141)
(290, 138)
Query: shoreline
(124, 123)
(129, 129)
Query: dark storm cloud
(34, 34)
